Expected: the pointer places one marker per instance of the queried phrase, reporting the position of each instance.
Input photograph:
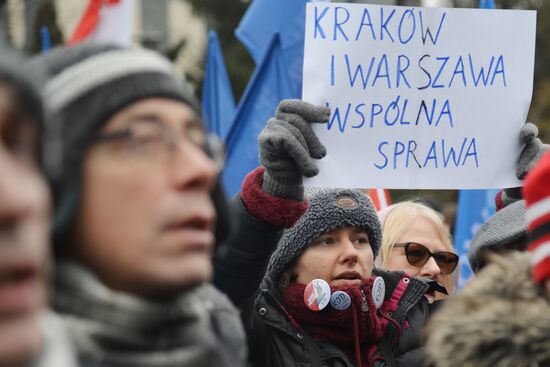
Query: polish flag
(106, 21)
(380, 198)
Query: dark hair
(287, 278)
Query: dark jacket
(273, 340)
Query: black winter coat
(273, 340)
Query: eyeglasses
(152, 139)
(418, 255)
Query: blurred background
(178, 28)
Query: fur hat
(329, 209)
(499, 319)
(537, 195)
(86, 85)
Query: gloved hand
(533, 151)
(288, 146)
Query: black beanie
(86, 85)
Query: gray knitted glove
(288, 146)
(533, 151)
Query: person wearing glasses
(133, 174)
(30, 335)
(316, 299)
(415, 240)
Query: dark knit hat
(86, 85)
(329, 209)
(24, 84)
(505, 227)
(537, 197)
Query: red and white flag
(380, 198)
(106, 21)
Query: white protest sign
(420, 97)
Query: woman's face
(424, 232)
(342, 257)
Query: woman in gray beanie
(318, 301)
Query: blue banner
(262, 20)
(267, 87)
(474, 208)
(487, 4)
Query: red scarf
(351, 330)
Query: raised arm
(272, 197)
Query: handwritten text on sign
(420, 97)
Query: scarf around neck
(57, 350)
(199, 328)
(351, 330)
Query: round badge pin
(340, 300)
(317, 295)
(378, 291)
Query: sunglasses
(418, 255)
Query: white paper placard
(420, 97)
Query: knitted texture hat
(329, 209)
(503, 228)
(87, 84)
(24, 85)
(536, 191)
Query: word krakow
(420, 97)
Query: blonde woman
(415, 240)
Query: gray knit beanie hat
(25, 87)
(329, 209)
(86, 85)
(24, 83)
(503, 228)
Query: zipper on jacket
(364, 304)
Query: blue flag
(218, 103)
(45, 39)
(474, 208)
(263, 19)
(487, 4)
(267, 87)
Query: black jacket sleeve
(240, 262)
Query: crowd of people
(119, 248)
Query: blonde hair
(396, 220)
